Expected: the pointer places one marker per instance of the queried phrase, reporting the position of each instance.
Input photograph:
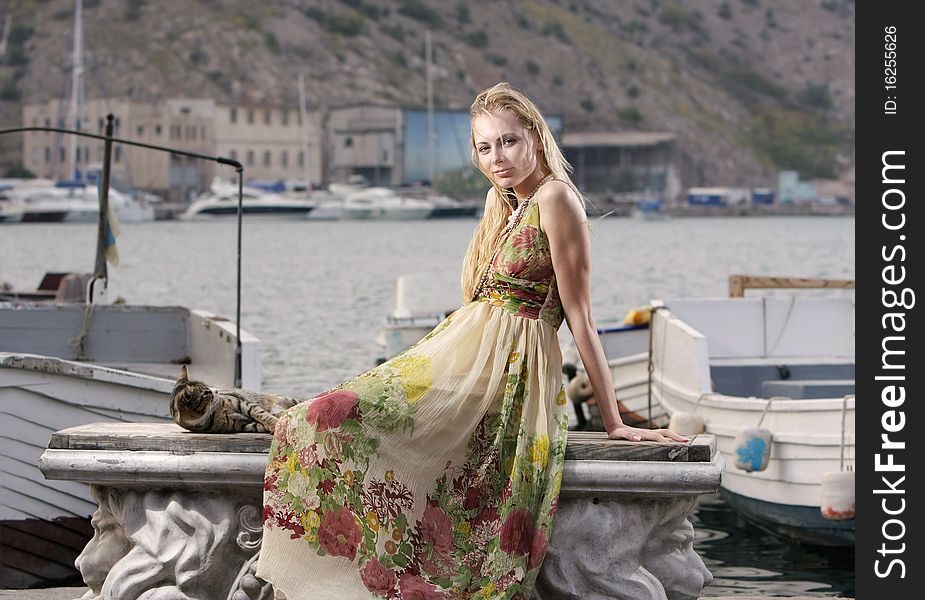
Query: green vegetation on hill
(748, 86)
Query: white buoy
(837, 495)
(685, 423)
(752, 449)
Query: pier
(622, 522)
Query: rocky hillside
(748, 86)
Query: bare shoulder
(559, 205)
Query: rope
(793, 301)
(765, 412)
(697, 404)
(651, 366)
(80, 341)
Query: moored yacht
(383, 203)
(42, 200)
(224, 203)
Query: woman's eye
(509, 141)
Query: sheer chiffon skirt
(434, 475)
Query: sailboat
(75, 199)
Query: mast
(303, 120)
(428, 59)
(77, 89)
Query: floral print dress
(436, 474)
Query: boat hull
(715, 359)
(46, 524)
(46, 385)
(296, 212)
(804, 524)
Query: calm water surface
(316, 294)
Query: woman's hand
(637, 434)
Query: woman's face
(507, 152)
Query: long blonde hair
(498, 208)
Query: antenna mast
(77, 90)
(428, 50)
(303, 119)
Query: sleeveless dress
(436, 474)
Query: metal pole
(303, 121)
(429, 58)
(76, 88)
(237, 350)
(100, 269)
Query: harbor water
(317, 293)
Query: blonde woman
(437, 474)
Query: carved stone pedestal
(179, 514)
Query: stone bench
(180, 512)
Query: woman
(436, 474)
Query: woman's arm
(565, 224)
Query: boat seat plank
(801, 389)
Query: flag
(112, 232)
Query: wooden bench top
(582, 445)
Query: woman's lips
(503, 173)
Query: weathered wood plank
(739, 283)
(155, 437)
(594, 445)
(582, 445)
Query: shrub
(462, 14)
(476, 39)
(198, 57)
(19, 33)
(588, 104)
(345, 24)
(133, 9)
(794, 140)
(19, 172)
(817, 97)
(9, 91)
(675, 17)
(630, 114)
(394, 31)
(557, 31)
(533, 68)
(748, 84)
(420, 11)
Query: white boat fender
(688, 423)
(752, 449)
(685, 423)
(837, 495)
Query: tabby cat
(203, 409)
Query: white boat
(10, 211)
(626, 349)
(446, 207)
(223, 202)
(648, 209)
(383, 203)
(130, 361)
(328, 206)
(422, 300)
(45, 201)
(784, 365)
